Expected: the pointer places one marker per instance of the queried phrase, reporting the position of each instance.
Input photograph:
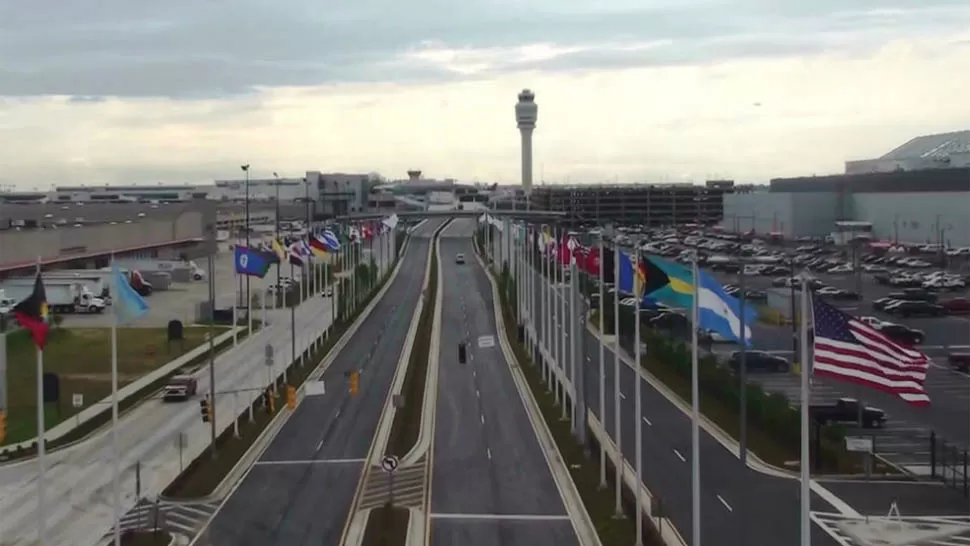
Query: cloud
(655, 123)
(196, 49)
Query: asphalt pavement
(491, 483)
(301, 488)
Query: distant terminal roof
(932, 146)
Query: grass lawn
(81, 357)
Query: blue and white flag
(128, 304)
(721, 312)
(329, 238)
(252, 262)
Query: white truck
(73, 298)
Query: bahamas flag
(643, 279)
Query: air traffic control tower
(526, 112)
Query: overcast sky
(116, 91)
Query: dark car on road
(846, 411)
(758, 361)
(881, 303)
(959, 361)
(914, 294)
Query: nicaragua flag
(128, 304)
(252, 262)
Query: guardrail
(96, 409)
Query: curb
(578, 514)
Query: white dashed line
(319, 445)
(679, 456)
(483, 419)
(649, 424)
(478, 393)
(488, 452)
(622, 396)
(724, 502)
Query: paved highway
(739, 506)
(78, 479)
(301, 488)
(491, 484)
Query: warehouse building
(917, 193)
(652, 205)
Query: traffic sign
(389, 463)
(77, 400)
(858, 444)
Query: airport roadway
(301, 488)
(739, 506)
(490, 484)
(78, 479)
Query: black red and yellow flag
(33, 314)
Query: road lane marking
(310, 461)
(679, 456)
(649, 424)
(509, 517)
(483, 419)
(724, 502)
(623, 396)
(488, 452)
(319, 445)
(478, 393)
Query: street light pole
(249, 297)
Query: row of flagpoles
(842, 347)
(318, 246)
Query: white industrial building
(917, 193)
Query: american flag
(850, 350)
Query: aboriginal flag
(33, 315)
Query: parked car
(956, 306)
(846, 410)
(758, 361)
(915, 309)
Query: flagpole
(637, 397)
(115, 450)
(41, 448)
(695, 414)
(292, 324)
(619, 467)
(557, 323)
(602, 355)
(237, 281)
(546, 312)
(805, 370)
(561, 334)
(573, 353)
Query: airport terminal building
(917, 193)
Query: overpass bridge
(422, 214)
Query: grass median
(204, 474)
(387, 525)
(582, 461)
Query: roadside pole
(212, 352)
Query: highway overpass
(533, 214)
